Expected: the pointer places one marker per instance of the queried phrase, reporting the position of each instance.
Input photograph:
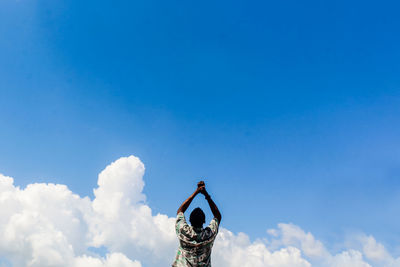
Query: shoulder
(214, 225)
(180, 215)
(180, 218)
(180, 223)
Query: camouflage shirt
(195, 244)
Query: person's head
(197, 218)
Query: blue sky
(288, 109)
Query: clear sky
(289, 110)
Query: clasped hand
(201, 188)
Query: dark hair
(197, 217)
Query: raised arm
(187, 202)
(213, 206)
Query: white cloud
(237, 251)
(350, 258)
(48, 225)
(112, 260)
(292, 235)
(374, 250)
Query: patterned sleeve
(180, 222)
(214, 224)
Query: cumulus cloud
(48, 225)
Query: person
(195, 242)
